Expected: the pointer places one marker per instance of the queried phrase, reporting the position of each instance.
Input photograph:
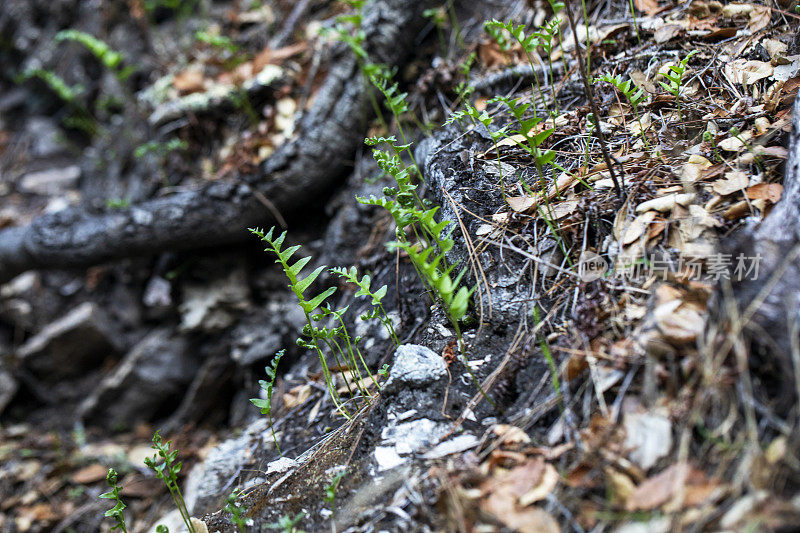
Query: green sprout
(267, 386)
(115, 512)
(166, 466)
(675, 77)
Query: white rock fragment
(414, 367)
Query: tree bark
(308, 167)
(769, 305)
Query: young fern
(546, 35)
(351, 275)
(299, 287)
(533, 140)
(395, 101)
(675, 77)
(99, 49)
(267, 386)
(236, 510)
(167, 471)
(634, 95)
(115, 512)
(528, 42)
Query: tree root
(299, 171)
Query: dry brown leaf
(679, 322)
(89, 474)
(770, 192)
(297, 396)
(560, 210)
(189, 81)
(666, 203)
(657, 490)
(521, 204)
(503, 493)
(638, 227)
(734, 181)
(747, 72)
(509, 434)
(759, 18)
(546, 485)
(693, 168)
(667, 33)
(648, 6)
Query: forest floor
(605, 375)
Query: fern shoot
(267, 386)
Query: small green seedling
(166, 466)
(103, 52)
(634, 95)
(236, 509)
(331, 488)
(115, 512)
(288, 523)
(266, 404)
(54, 82)
(379, 312)
(500, 32)
(675, 77)
(710, 138)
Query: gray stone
(51, 181)
(8, 388)
(414, 436)
(45, 137)
(151, 375)
(414, 366)
(214, 306)
(71, 345)
(259, 335)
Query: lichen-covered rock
(414, 367)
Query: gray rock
(45, 137)
(8, 388)
(151, 375)
(51, 181)
(158, 296)
(414, 366)
(259, 335)
(214, 306)
(71, 345)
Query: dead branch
(300, 171)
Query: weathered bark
(770, 304)
(308, 167)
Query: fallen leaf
(189, 81)
(638, 227)
(666, 33)
(546, 485)
(693, 168)
(680, 323)
(759, 18)
(521, 204)
(735, 143)
(666, 203)
(648, 437)
(648, 6)
(657, 490)
(89, 474)
(765, 191)
(509, 434)
(747, 72)
(734, 181)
